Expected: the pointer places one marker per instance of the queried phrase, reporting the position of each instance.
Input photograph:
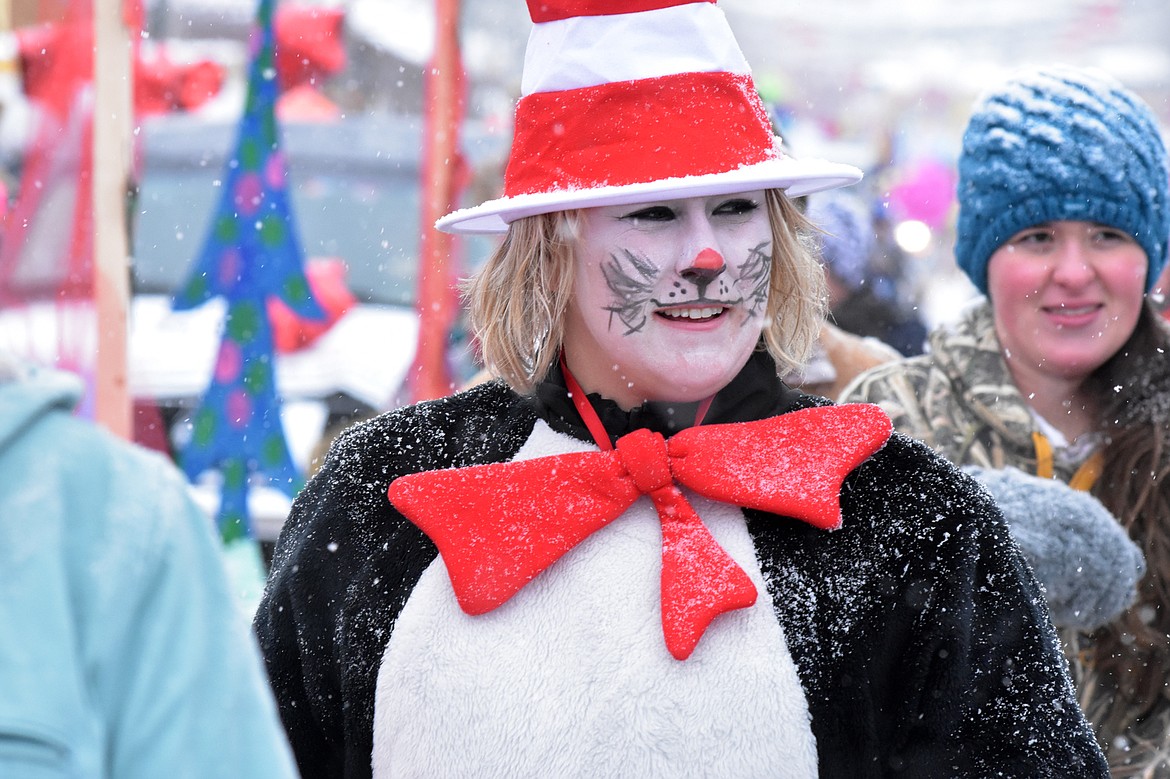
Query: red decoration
(57, 68)
(162, 86)
(498, 526)
(291, 331)
(56, 60)
(309, 44)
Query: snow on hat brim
(629, 101)
(796, 177)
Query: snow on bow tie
(498, 526)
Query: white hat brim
(796, 177)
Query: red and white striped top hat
(628, 101)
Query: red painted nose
(709, 260)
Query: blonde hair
(518, 299)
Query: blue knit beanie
(847, 241)
(1060, 144)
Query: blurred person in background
(1061, 370)
(837, 356)
(123, 654)
(863, 298)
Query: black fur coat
(919, 637)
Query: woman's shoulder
(909, 495)
(880, 382)
(452, 431)
(909, 505)
(956, 351)
(487, 423)
(342, 526)
(907, 469)
(900, 388)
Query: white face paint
(670, 296)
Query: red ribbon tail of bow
(700, 580)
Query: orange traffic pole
(437, 298)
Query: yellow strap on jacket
(1085, 476)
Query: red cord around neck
(589, 414)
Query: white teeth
(692, 313)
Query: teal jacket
(122, 650)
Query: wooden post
(112, 127)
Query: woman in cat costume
(639, 553)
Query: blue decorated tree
(251, 254)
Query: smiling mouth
(695, 314)
(1072, 310)
(701, 310)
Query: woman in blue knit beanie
(1060, 371)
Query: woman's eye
(1111, 235)
(737, 206)
(651, 214)
(1032, 237)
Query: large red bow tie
(498, 526)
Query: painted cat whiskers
(631, 288)
(757, 271)
(632, 277)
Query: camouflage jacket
(960, 399)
